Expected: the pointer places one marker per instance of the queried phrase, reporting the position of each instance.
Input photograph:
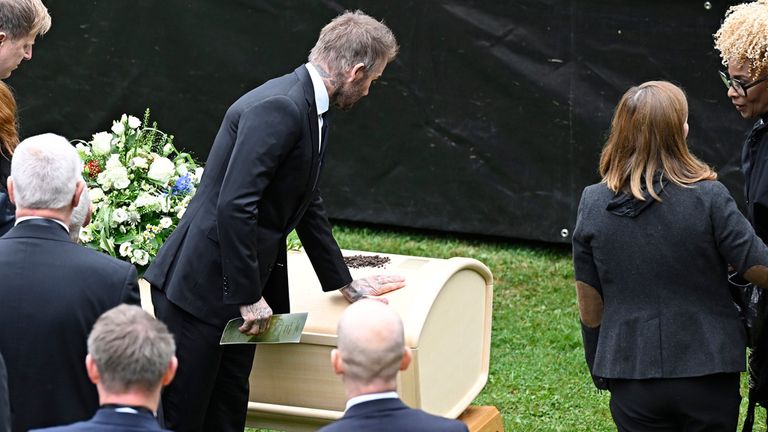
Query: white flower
(140, 257)
(145, 199)
(182, 169)
(133, 217)
(118, 127)
(120, 215)
(198, 174)
(96, 194)
(102, 143)
(121, 183)
(167, 149)
(166, 222)
(83, 149)
(114, 162)
(133, 122)
(126, 249)
(139, 162)
(86, 235)
(161, 169)
(181, 212)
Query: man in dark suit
(227, 257)
(52, 289)
(371, 350)
(130, 359)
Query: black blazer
(5, 406)
(385, 415)
(52, 292)
(260, 182)
(108, 420)
(668, 311)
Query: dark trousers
(698, 404)
(210, 390)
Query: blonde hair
(647, 135)
(744, 36)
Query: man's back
(52, 292)
(391, 415)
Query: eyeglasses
(740, 87)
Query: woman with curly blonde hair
(651, 250)
(9, 139)
(743, 44)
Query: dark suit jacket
(108, 420)
(52, 291)
(260, 182)
(387, 415)
(663, 276)
(5, 407)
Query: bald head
(371, 343)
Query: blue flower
(182, 186)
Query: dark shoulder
(439, 423)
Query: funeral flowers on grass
(140, 186)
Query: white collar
(370, 397)
(321, 93)
(23, 218)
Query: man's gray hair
(131, 349)
(45, 170)
(352, 38)
(79, 214)
(21, 18)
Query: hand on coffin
(371, 287)
(256, 317)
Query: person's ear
(336, 363)
(93, 371)
(406, 359)
(11, 192)
(78, 192)
(173, 365)
(3, 37)
(357, 72)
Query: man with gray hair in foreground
(52, 290)
(130, 359)
(371, 351)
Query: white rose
(161, 169)
(139, 162)
(166, 222)
(145, 199)
(114, 162)
(120, 215)
(102, 143)
(126, 249)
(133, 122)
(140, 257)
(182, 169)
(122, 183)
(118, 127)
(104, 180)
(96, 194)
(198, 174)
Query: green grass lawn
(538, 377)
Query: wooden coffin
(446, 311)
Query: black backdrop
(490, 121)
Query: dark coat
(662, 274)
(385, 415)
(260, 183)
(754, 166)
(108, 420)
(52, 291)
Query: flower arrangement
(139, 185)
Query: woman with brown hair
(651, 250)
(9, 139)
